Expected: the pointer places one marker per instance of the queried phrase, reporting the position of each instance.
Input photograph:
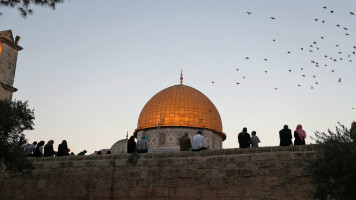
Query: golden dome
(180, 105)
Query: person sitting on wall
(285, 136)
(38, 152)
(82, 153)
(299, 136)
(198, 142)
(254, 139)
(142, 145)
(48, 149)
(63, 149)
(30, 148)
(184, 142)
(131, 145)
(244, 138)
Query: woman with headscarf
(63, 149)
(142, 145)
(299, 136)
(48, 149)
(131, 145)
(38, 152)
(184, 142)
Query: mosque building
(175, 110)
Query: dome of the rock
(180, 106)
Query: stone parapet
(254, 173)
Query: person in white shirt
(30, 148)
(198, 142)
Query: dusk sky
(89, 67)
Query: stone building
(8, 57)
(175, 110)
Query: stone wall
(254, 173)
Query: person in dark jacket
(38, 150)
(131, 145)
(285, 136)
(48, 149)
(299, 136)
(184, 142)
(63, 149)
(244, 138)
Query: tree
(23, 6)
(15, 118)
(333, 168)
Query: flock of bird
(314, 47)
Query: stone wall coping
(254, 150)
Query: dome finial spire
(181, 76)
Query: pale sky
(88, 68)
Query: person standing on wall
(285, 136)
(198, 142)
(299, 136)
(184, 142)
(244, 138)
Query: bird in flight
(303, 75)
(351, 13)
(322, 37)
(323, 22)
(243, 77)
(325, 7)
(275, 88)
(247, 58)
(272, 18)
(314, 76)
(331, 11)
(337, 25)
(317, 83)
(346, 29)
(339, 80)
(290, 70)
(332, 71)
(316, 19)
(301, 68)
(266, 72)
(237, 69)
(237, 83)
(265, 59)
(298, 85)
(310, 51)
(212, 82)
(347, 34)
(249, 13)
(311, 87)
(301, 49)
(289, 52)
(274, 40)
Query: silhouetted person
(184, 142)
(63, 149)
(285, 136)
(131, 145)
(82, 153)
(38, 152)
(244, 138)
(142, 145)
(198, 142)
(353, 131)
(99, 153)
(30, 148)
(299, 136)
(254, 140)
(48, 149)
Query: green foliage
(15, 118)
(23, 6)
(333, 169)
